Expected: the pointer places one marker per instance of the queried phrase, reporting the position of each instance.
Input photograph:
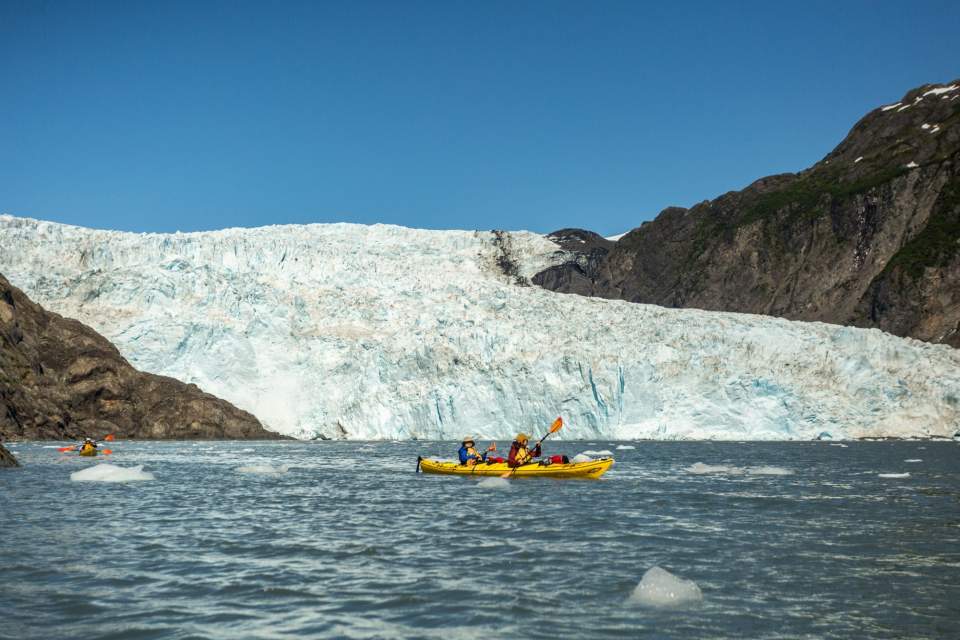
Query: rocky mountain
(869, 236)
(60, 379)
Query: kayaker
(468, 452)
(519, 454)
(88, 446)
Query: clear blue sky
(158, 116)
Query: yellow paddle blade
(557, 425)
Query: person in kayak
(468, 452)
(519, 453)
(88, 446)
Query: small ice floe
(624, 447)
(660, 588)
(494, 482)
(580, 457)
(111, 473)
(248, 451)
(264, 469)
(912, 165)
(893, 475)
(838, 444)
(699, 468)
(858, 160)
(603, 453)
(913, 460)
(769, 471)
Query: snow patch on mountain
(384, 332)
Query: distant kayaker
(468, 452)
(519, 454)
(88, 446)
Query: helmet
(522, 437)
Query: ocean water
(344, 540)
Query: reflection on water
(345, 540)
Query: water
(344, 540)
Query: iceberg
(384, 333)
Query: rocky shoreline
(61, 380)
(7, 459)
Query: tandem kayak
(591, 469)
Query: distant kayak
(591, 469)
(88, 454)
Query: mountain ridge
(869, 236)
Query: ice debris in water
(111, 473)
(264, 469)
(621, 447)
(494, 483)
(700, 468)
(603, 453)
(913, 460)
(893, 475)
(660, 588)
(581, 457)
(838, 444)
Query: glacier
(385, 332)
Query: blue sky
(537, 115)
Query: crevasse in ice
(355, 331)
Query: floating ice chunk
(838, 444)
(890, 106)
(913, 460)
(769, 471)
(111, 473)
(858, 160)
(264, 469)
(603, 453)
(699, 468)
(660, 588)
(624, 447)
(248, 451)
(581, 457)
(893, 475)
(494, 482)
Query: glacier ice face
(384, 332)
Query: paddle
(556, 426)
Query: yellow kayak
(592, 469)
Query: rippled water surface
(345, 540)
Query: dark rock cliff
(60, 379)
(7, 459)
(869, 236)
